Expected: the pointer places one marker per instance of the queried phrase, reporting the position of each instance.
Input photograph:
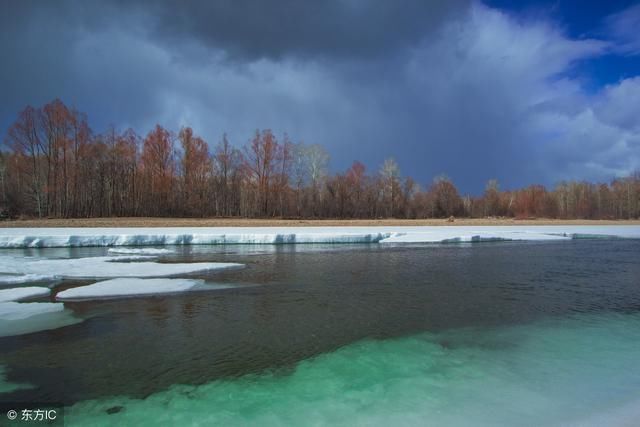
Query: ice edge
(51, 238)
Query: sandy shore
(242, 222)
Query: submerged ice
(17, 311)
(18, 294)
(6, 386)
(575, 371)
(17, 318)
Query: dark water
(309, 300)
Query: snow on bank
(105, 267)
(143, 251)
(22, 318)
(76, 237)
(119, 288)
(18, 294)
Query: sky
(523, 92)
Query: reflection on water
(315, 300)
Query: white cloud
(505, 84)
(623, 28)
(619, 104)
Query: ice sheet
(438, 236)
(23, 278)
(118, 288)
(140, 251)
(17, 310)
(75, 237)
(18, 294)
(22, 318)
(104, 267)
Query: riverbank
(273, 222)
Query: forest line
(53, 165)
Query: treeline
(53, 165)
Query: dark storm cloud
(445, 87)
(95, 53)
(285, 28)
(251, 29)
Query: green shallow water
(575, 370)
(8, 386)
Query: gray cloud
(619, 105)
(253, 29)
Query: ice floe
(18, 294)
(17, 311)
(140, 251)
(77, 237)
(18, 279)
(104, 267)
(119, 288)
(18, 318)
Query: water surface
(496, 333)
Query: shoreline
(137, 222)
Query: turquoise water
(552, 372)
(7, 386)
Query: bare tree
(56, 166)
(390, 173)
